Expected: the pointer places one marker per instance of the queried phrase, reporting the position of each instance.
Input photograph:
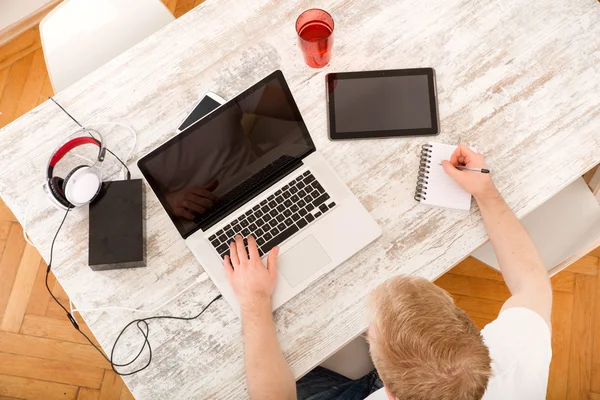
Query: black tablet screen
(387, 105)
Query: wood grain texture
(49, 349)
(563, 281)
(474, 287)
(88, 394)
(561, 343)
(182, 7)
(171, 5)
(17, 78)
(53, 310)
(587, 265)
(126, 394)
(3, 78)
(595, 378)
(580, 360)
(473, 267)
(112, 384)
(46, 370)
(33, 84)
(16, 49)
(40, 298)
(4, 229)
(53, 328)
(499, 95)
(24, 388)
(21, 290)
(5, 213)
(9, 264)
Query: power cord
(141, 323)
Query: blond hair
(423, 346)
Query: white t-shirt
(520, 349)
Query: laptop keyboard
(287, 211)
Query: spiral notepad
(434, 186)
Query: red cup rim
(316, 9)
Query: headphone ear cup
(56, 187)
(69, 175)
(82, 185)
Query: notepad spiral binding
(422, 179)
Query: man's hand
(476, 183)
(268, 375)
(185, 202)
(252, 283)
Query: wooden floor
(43, 357)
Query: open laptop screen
(225, 159)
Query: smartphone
(209, 103)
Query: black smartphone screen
(206, 106)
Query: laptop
(251, 168)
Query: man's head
(423, 346)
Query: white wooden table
(519, 80)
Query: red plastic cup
(315, 36)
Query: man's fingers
(468, 154)
(272, 261)
(182, 212)
(450, 169)
(204, 193)
(228, 268)
(454, 157)
(201, 201)
(212, 185)
(234, 254)
(241, 249)
(190, 205)
(460, 154)
(253, 248)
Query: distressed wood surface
(518, 80)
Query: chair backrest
(79, 36)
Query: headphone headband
(72, 143)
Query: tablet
(371, 104)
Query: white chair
(564, 228)
(79, 36)
(353, 360)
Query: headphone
(83, 183)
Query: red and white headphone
(83, 183)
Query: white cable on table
(118, 308)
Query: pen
(483, 170)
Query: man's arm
(519, 260)
(268, 375)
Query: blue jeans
(323, 384)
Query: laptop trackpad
(302, 261)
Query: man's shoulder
(519, 343)
(518, 323)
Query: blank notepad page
(440, 189)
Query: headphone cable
(141, 323)
(88, 132)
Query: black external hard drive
(117, 228)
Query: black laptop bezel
(216, 218)
(332, 78)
